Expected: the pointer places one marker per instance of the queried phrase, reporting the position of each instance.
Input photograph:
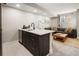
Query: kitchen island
(36, 41)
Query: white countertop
(39, 31)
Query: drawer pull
(32, 39)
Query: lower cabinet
(38, 45)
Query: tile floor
(15, 49)
(59, 49)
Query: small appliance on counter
(26, 27)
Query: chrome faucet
(33, 25)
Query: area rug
(72, 42)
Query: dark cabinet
(38, 45)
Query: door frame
(0, 31)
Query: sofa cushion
(72, 33)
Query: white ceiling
(59, 8)
(49, 9)
(27, 7)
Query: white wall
(13, 19)
(54, 22)
(78, 24)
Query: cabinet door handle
(32, 39)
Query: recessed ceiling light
(35, 10)
(17, 5)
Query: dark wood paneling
(0, 33)
(36, 44)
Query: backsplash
(40, 22)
